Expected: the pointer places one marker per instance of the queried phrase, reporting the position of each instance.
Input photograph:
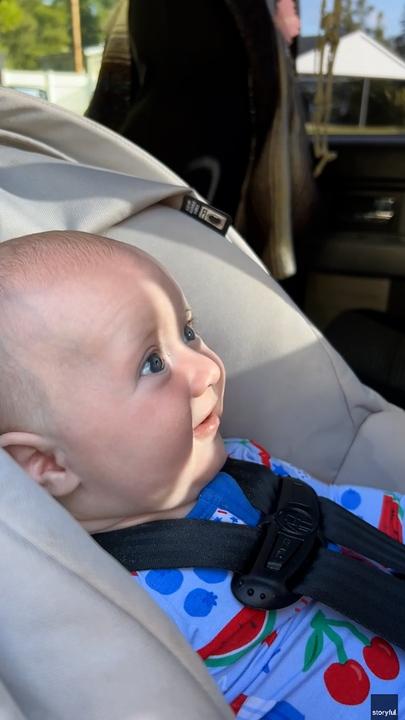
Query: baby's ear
(40, 460)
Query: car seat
(373, 343)
(77, 638)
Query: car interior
(314, 351)
(342, 260)
(70, 614)
(355, 279)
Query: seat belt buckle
(290, 535)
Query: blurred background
(53, 49)
(287, 114)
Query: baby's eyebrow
(144, 334)
(142, 337)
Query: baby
(115, 409)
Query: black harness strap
(260, 485)
(341, 527)
(373, 598)
(285, 556)
(183, 543)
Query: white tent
(357, 55)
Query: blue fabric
(303, 661)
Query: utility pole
(76, 36)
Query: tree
(347, 21)
(362, 12)
(30, 29)
(379, 30)
(94, 16)
(33, 30)
(400, 40)
(357, 15)
(10, 15)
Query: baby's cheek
(164, 426)
(176, 436)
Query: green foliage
(379, 28)
(400, 40)
(32, 30)
(94, 16)
(10, 15)
(356, 16)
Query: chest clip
(290, 535)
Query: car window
(52, 49)
(368, 71)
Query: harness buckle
(290, 534)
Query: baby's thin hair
(33, 261)
(43, 256)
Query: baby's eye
(189, 333)
(153, 364)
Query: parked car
(34, 92)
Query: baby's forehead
(60, 302)
(58, 284)
(147, 267)
(127, 291)
(138, 262)
(139, 306)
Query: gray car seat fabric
(8, 708)
(92, 636)
(78, 639)
(286, 386)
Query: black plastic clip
(290, 536)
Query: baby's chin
(216, 457)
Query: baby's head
(109, 398)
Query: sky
(392, 9)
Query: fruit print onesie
(303, 661)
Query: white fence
(70, 90)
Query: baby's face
(137, 395)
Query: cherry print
(381, 658)
(347, 682)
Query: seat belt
(285, 556)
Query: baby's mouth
(208, 426)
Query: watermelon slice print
(246, 630)
(236, 704)
(265, 457)
(390, 518)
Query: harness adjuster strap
(284, 558)
(291, 533)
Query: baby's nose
(203, 372)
